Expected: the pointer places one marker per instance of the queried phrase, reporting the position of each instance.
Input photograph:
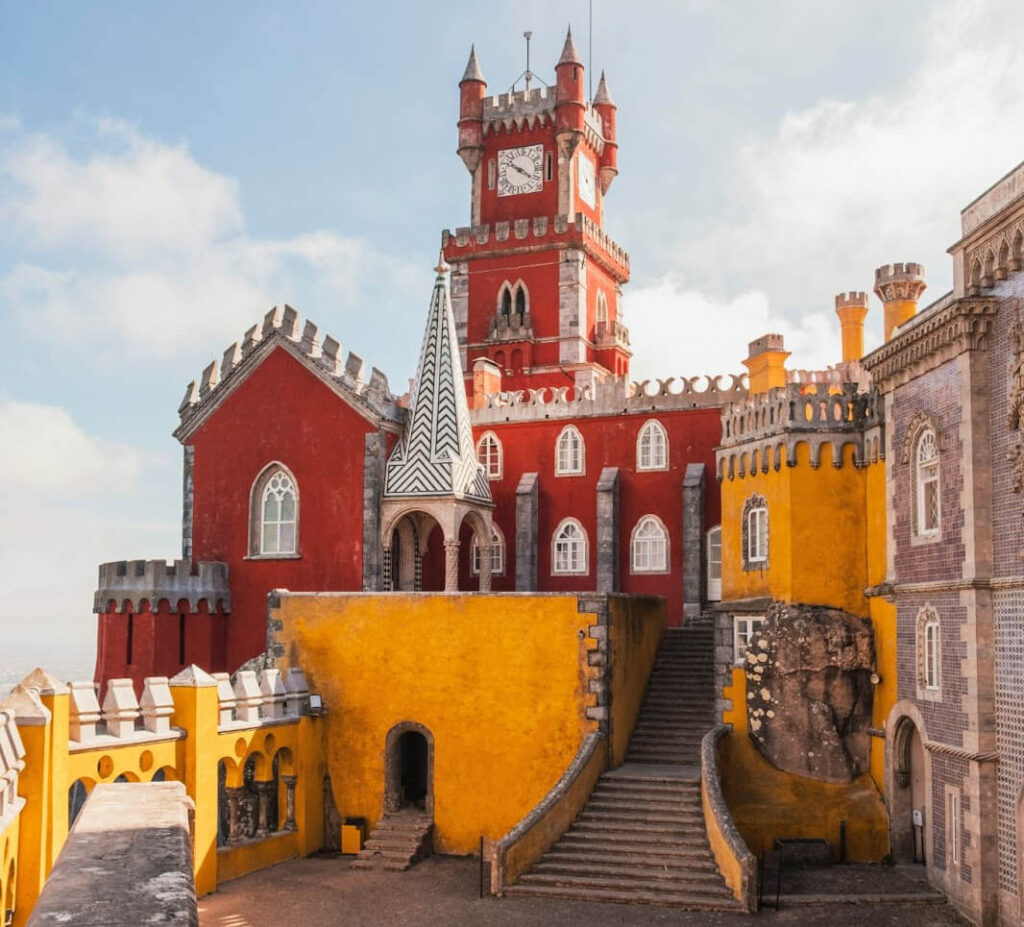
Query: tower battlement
(855, 299)
(132, 581)
(899, 281)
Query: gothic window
(601, 313)
(652, 447)
(513, 298)
(649, 546)
(520, 300)
(715, 564)
(497, 553)
(488, 452)
(929, 652)
(569, 550)
(505, 305)
(569, 452)
(744, 629)
(548, 166)
(274, 514)
(492, 173)
(755, 533)
(926, 473)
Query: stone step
(676, 873)
(696, 850)
(634, 804)
(624, 828)
(684, 901)
(654, 886)
(635, 816)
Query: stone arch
(393, 798)
(908, 778)
(78, 792)
(231, 772)
(259, 765)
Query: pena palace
(625, 641)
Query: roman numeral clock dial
(519, 170)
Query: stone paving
(443, 892)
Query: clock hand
(517, 168)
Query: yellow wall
(501, 683)
(637, 627)
(9, 864)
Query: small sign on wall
(918, 817)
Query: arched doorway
(909, 799)
(410, 768)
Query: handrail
(558, 809)
(735, 861)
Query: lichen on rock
(809, 691)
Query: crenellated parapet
(818, 408)
(480, 241)
(318, 351)
(615, 396)
(992, 246)
(12, 762)
(128, 583)
(532, 108)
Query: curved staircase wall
(734, 859)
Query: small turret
(472, 90)
(766, 364)
(899, 287)
(852, 309)
(605, 106)
(570, 98)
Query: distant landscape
(68, 664)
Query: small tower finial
(569, 53)
(529, 74)
(603, 97)
(442, 267)
(473, 71)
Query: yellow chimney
(899, 287)
(766, 365)
(852, 309)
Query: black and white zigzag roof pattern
(435, 456)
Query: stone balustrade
(12, 762)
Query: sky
(170, 172)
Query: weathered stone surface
(127, 860)
(809, 691)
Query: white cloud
(843, 187)
(682, 332)
(140, 248)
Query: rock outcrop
(809, 691)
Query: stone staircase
(640, 838)
(400, 839)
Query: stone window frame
(929, 660)
(601, 308)
(497, 553)
(954, 828)
(642, 521)
(714, 583)
(652, 435)
(493, 463)
(741, 637)
(583, 548)
(755, 504)
(922, 425)
(516, 292)
(563, 463)
(256, 493)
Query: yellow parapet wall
(505, 686)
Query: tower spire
(603, 97)
(569, 53)
(473, 71)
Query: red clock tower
(536, 282)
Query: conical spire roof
(569, 53)
(435, 455)
(473, 71)
(603, 96)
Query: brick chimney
(766, 364)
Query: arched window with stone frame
(929, 653)
(570, 459)
(601, 309)
(755, 533)
(569, 554)
(648, 546)
(497, 553)
(274, 513)
(927, 501)
(652, 447)
(489, 453)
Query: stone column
(694, 563)
(485, 568)
(289, 809)
(263, 790)
(417, 571)
(234, 797)
(451, 566)
(608, 530)
(374, 446)
(526, 533)
(387, 584)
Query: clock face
(519, 170)
(587, 180)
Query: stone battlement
(12, 762)
(132, 581)
(853, 299)
(282, 324)
(535, 107)
(899, 281)
(530, 231)
(612, 397)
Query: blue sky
(168, 172)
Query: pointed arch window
(569, 452)
(652, 447)
(569, 548)
(649, 546)
(927, 507)
(497, 553)
(274, 514)
(513, 298)
(505, 306)
(601, 312)
(489, 453)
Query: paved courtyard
(443, 891)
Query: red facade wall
(282, 412)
